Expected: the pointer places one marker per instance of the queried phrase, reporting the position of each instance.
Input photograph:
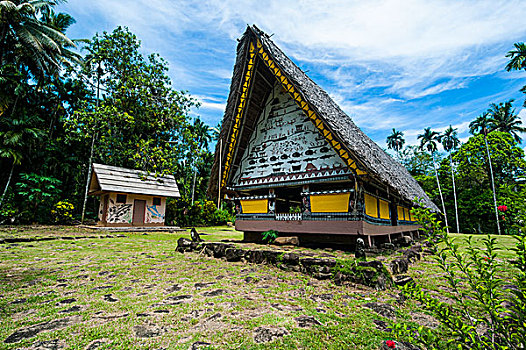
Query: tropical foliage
(486, 311)
(60, 111)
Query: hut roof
(376, 162)
(107, 178)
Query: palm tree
(25, 39)
(481, 125)
(517, 61)
(450, 141)
(429, 141)
(395, 141)
(505, 119)
(517, 57)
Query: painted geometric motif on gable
(285, 142)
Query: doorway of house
(139, 208)
(105, 209)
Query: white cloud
(386, 62)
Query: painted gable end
(285, 141)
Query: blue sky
(389, 64)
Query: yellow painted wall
(254, 206)
(406, 214)
(384, 209)
(371, 205)
(330, 203)
(400, 211)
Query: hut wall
(122, 213)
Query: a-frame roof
(107, 178)
(258, 64)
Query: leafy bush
(222, 216)
(204, 213)
(39, 193)
(7, 211)
(269, 236)
(62, 212)
(488, 312)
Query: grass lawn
(135, 292)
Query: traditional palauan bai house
(294, 162)
(130, 197)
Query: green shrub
(199, 213)
(488, 311)
(39, 193)
(269, 236)
(222, 216)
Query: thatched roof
(378, 165)
(108, 178)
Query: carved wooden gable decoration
(289, 142)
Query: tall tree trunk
(94, 136)
(88, 178)
(492, 185)
(454, 191)
(440, 191)
(8, 182)
(193, 185)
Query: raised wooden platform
(134, 228)
(342, 232)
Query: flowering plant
(502, 208)
(390, 344)
(62, 212)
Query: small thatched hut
(294, 162)
(130, 197)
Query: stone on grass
(96, 344)
(66, 301)
(71, 309)
(265, 334)
(360, 249)
(199, 345)
(382, 309)
(19, 301)
(213, 293)
(234, 254)
(54, 344)
(294, 240)
(403, 280)
(174, 300)
(382, 326)
(31, 331)
(147, 331)
(185, 245)
(399, 265)
(201, 285)
(387, 246)
(307, 321)
(109, 298)
(412, 255)
(404, 241)
(195, 236)
(173, 288)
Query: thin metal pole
(492, 184)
